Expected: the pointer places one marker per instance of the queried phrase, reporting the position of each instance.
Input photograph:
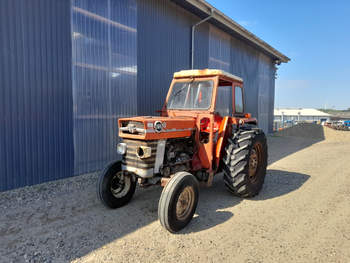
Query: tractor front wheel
(178, 201)
(245, 161)
(115, 187)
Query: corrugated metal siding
(272, 96)
(219, 49)
(266, 92)
(201, 41)
(36, 140)
(244, 63)
(256, 69)
(258, 73)
(124, 55)
(264, 89)
(104, 77)
(164, 41)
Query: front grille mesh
(136, 124)
(131, 158)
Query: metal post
(192, 36)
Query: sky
(314, 34)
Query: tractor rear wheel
(245, 161)
(178, 201)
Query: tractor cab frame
(214, 121)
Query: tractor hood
(155, 128)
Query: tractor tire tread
(236, 164)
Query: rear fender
(222, 138)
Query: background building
(70, 68)
(289, 117)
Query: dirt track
(301, 215)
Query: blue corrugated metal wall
(266, 83)
(273, 69)
(256, 69)
(36, 134)
(124, 54)
(164, 41)
(219, 49)
(104, 77)
(244, 63)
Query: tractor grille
(133, 127)
(131, 158)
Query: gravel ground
(301, 215)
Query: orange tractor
(202, 130)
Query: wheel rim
(120, 185)
(185, 203)
(254, 161)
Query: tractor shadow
(70, 222)
(277, 183)
(213, 200)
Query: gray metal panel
(219, 49)
(201, 53)
(164, 47)
(263, 95)
(35, 96)
(272, 96)
(258, 73)
(266, 86)
(164, 41)
(256, 69)
(244, 63)
(104, 77)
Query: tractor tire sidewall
(255, 187)
(238, 182)
(104, 187)
(168, 200)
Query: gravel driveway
(301, 215)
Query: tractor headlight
(158, 126)
(121, 148)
